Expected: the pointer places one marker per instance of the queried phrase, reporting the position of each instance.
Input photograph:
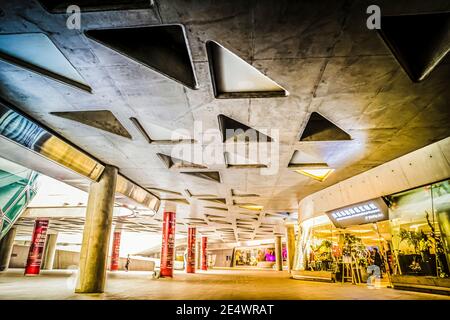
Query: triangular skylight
(319, 128)
(302, 158)
(318, 173)
(37, 53)
(162, 48)
(234, 160)
(171, 162)
(234, 78)
(100, 119)
(215, 200)
(207, 175)
(155, 134)
(237, 193)
(55, 6)
(236, 131)
(418, 41)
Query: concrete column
(197, 255)
(168, 243)
(204, 253)
(49, 251)
(96, 233)
(290, 244)
(190, 261)
(6, 248)
(34, 260)
(278, 254)
(115, 252)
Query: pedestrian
(127, 264)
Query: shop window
(420, 220)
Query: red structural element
(34, 260)
(168, 244)
(115, 251)
(204, 255)
(190, 259)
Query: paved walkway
(213, 284)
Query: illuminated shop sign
(361, 213)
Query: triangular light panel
(100, 119)
(162, 48)
(37, 53)
(418, 41)
(320, 128)
(234, 78)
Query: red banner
(115, 251)
(34, 260)
(204, 254)
(190, 260)
(168, 244)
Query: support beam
(278, 254)
(6, 248)
(290, 244)
(190, 261)
(96, 234)
(49, 251)
(204, 253)
(168, 243)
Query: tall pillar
(33, 266)
(290, 244)
(204, 253)
(198, 256)
(168, 243)
(96, 233)
(49, 251)
(278, 254)
(115, 252)
(190, 261)
(6, 248)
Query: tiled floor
(213, 284)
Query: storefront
(262, 256)
(410, 230)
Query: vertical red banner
(34, 260)
(190, 261)
(168, 244)
(204, 253)
(115, 258)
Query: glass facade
(17, 188)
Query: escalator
(17, 188)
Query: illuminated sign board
(360, 213)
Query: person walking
(127, 264)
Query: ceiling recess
(233, 77)
(144, 133)
(236, 131)
(35, 52)
(240, 194)
(160, 191)
(171, 162)
(55, 6)
(100, 119)
(162, 48)
(319, 128)
(419, 42)
(215, 200)
(217, 208)
(238, 162)
(207, 175)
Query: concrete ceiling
(321, 52)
